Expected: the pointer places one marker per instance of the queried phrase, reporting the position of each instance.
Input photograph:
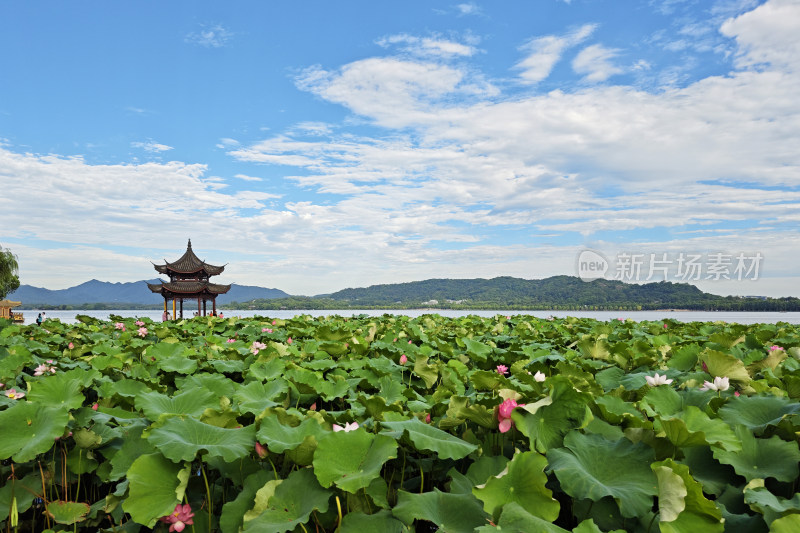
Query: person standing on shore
(39, 320)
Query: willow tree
(9, 270)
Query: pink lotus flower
(428, 418)
(775, 348)
(665, 326)
(120, 325)
(409, 342)
(273, 322)
(139, 323)
(506, 408)
(94, 407)
(70, 346)
(260, 450)
(313, 407)
(14, 394)
(502, 369)
(289, 340)
(266, 330)
(180, 518)
(403, 359)
(257, 346)
(44, 369)
(395, 339)
(142, 332)
(504, 414)
(347, 427)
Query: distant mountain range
(123, 294)
(557, 292)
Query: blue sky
(315, 145)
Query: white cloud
(468, 8)
(215, 36)
(768, 35)
(595, 63)
(428, 46)
(245, 177)
(544, 52)
(151, 146)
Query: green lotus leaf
(59, 390)
(292, 502)
(590, 466)
(67, 512)
(391, 390)
(29, 429)
(761, 458)
(714, 475)
(787, 524)
(769, 505)
(133, 446)
(428, 373)
(568, 409)
(128, 388)
(355, 522)
(459, 410)
(182, 438)
(255, 396)
(179, 364)
(681, 503)
(280, 437)
(517, 519)
(725, 365)
(426, 437)
(662, 401)
(452, 513)
(153, 484)
(758, 412)
(594, 349)
(189, 402)
(693, 427)
(615, 410)
(476, 350)
(523, 481)
(232, 517)
(352, 459)
(220, 385)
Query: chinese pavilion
(189, 280)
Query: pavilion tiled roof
(188, 287)
(189, 263)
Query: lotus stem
(339, 510)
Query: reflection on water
(741, 317)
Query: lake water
(741, 317)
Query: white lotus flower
(655, 381)
(539, 376)
(347, 427)
(719, 384)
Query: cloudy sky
(319, 145)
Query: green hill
(558, 292)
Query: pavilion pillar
(214, 302)
(205, 308)
(199, 312)
(173, 309)
(181, 307)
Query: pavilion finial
(189, 246)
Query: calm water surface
(741, 317)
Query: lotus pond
(323, 424)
